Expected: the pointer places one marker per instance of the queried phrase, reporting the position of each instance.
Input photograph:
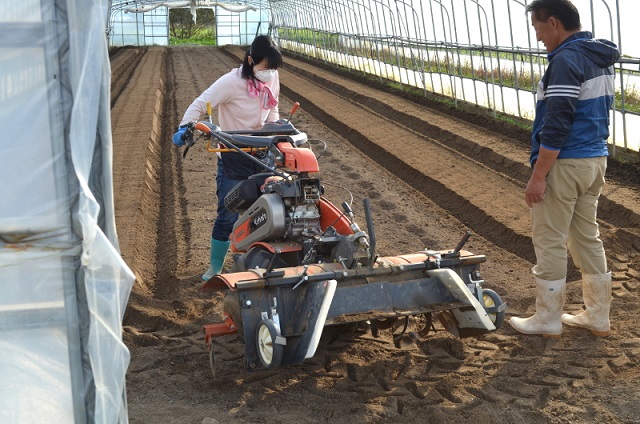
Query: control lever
(464, 240)
(456, 252)
(295, 107)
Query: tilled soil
(431, 173)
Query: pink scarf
(257, 88)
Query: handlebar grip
(187, 135)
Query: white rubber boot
(596, 293)
(550, 297)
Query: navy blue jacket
(574, 98)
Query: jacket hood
(604, 53)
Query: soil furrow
(122, 68)
(494, 219)
(135, 171)
(502, 146)
(507, 157)
(443, 176)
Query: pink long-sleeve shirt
(237, 108)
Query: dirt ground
(431, 174)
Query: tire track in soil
(498, 377)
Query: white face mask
(265, 75)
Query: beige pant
(567, 218)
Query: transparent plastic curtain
(63, 284)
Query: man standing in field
(569, 159)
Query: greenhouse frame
(64, 285)
(482, 52)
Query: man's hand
(534, 193)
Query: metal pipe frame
(449, 47)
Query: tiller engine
(302, 264)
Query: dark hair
(263, 47)
(562, 10)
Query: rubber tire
(266, 334)
(492, 299)
(259, 257)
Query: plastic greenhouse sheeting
(63, 284)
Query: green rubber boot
(218, 252)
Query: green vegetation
(183, 30)
(307, 36)
(631, 99)
(205, 37)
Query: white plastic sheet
(63, 284)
